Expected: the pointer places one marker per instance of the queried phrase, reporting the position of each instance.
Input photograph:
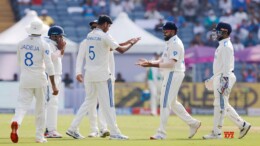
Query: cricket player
(222, 83)
(33, 56)
(57, 48)
(173, 67)
(98, 80)
(154, 83)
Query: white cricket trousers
(154, 96)
(104, 93)
(52, 105)
(24, 103)
(168, 99)
(97, 115)
(222, 106)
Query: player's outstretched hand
(134, 40)
(80, 78)
(143, 62)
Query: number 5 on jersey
(91, 52)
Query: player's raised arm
(127, 45)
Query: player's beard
(166, 38)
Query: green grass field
(138, 128)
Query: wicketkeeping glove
(224, 83)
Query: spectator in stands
(198, 28)
(189, 9)
(128, 6)
(158, 27)
(165, 5)
(37, 2)
(241, 15)
(229, 18)
(225, 5)
(238, 4)
(250, 41)
(197, 41)
(119, 78)
(177, 18)
(249, 75)
(67, 80)
(46, 18)
(24, 2)
(88, 10)
(238, 46)
(241, 33)
(153, 14)
(211, 20)
(115, 8)
(150, 4)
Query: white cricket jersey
(33, 55)
(56, 56)
(96, 49)
(224, 58)
(174, 50)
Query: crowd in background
(200, 15)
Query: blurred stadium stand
(70, 15)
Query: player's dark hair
(103, 19)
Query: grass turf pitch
(138, 128)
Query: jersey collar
(224, 40)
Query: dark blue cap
(92, 22)
(104, 18)
(56, 30)
(170, 26)
(224, 26)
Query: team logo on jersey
(175, 53)
(47, 52)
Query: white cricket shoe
(244, 130)
(212, 136)
(194, 128)
(93, 134)
(104, 133)
(118, 137)
(41, 140)
(158, 136)
(52, 134)
(74, 134)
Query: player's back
(31, 60)
(97, 56)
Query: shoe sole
(14, 136)
(211, 138)
(104, 135)
(71, 135)
(152, 138)
(245, 133)
(195, 131)
(53, 136)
